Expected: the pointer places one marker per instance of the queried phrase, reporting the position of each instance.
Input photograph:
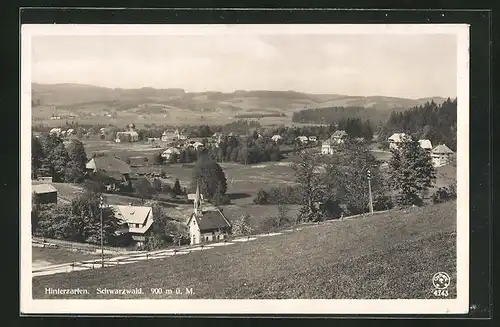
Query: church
(207, 224)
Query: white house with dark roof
(207, 225)
(168, 153)
(135, 220)
(425, 144)
(302, 139)
(441, 155)
(327, 147)
(339, 136)
(55, 131)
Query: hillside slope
(386, 256)
(75, 96)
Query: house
(327, 147)
(167, 136)
(134, 220)
(44, 193)
(313, 139)
(115, 169)
(207, 225)
(441, 155)
(55, 131)
(276, 138)
(339, 137)
(302, 139)
(167, 154)
(70, 132)
(396, 139)
(137, 161)
(176, 135)
(426, 145)
(197, 145)
(127, 136)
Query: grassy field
(386, 256)
(50, 256)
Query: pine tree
(177, 188)
(411, 172)
(58, 160)
(209, 175)
(75, 171)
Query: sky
(409, 66)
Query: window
(137, 225)
(206, 238)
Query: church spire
(197, 201)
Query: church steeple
(197, 201)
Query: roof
(132, 214)
(212, 219)
(137, 161)
(172, 150)
(327, 142)
(43, 188)
(109, 164)
(339, 134)
(276, 136)
(397, 137)
(425, 144)
(442, 149)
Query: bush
(444, 194)
(278, 195)
(261, 198)
(382, 203)
(269, 224)
(331, 209)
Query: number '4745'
(440, 292)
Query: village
(207, 223)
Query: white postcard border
(429, 306)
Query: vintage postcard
(245, 169)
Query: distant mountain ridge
(72, 96)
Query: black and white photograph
(294, 168)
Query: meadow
(391, 255)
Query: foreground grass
(392, 255)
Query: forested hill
(436, 122)
(334, 114)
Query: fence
(83, 247)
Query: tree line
(51, 157)
(329, 114)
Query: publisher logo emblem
(441, 280)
